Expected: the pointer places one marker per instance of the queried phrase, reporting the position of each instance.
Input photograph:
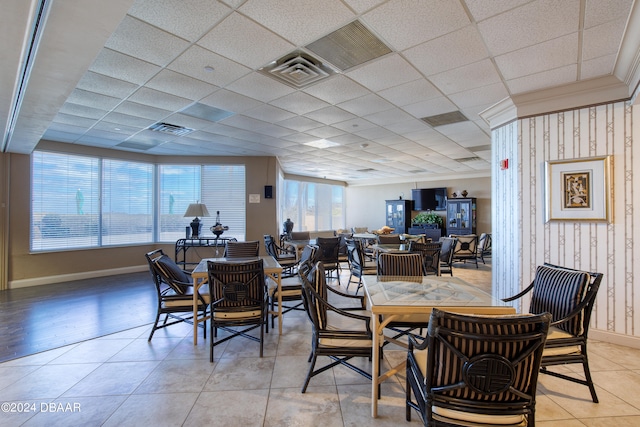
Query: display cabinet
(461, 216)
(399, 215)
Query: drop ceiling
(106, 73)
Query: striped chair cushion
(237, 285)
(558, 291)
(400, 264)
(172, 273)
(249, 249)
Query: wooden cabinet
(461, 216)
(399, 215)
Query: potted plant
(430, 218)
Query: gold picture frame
(578, 189)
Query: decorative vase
(464, 193)
(287, 227)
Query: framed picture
(578, 189)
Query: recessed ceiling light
(321, 143)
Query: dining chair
(389, 239)
(245, 249)
(466, 248)
(286, 257)
(430, 256)
(476, 370)
(330, 336)
(569, 295)
(329, 248)
(446, 254)
(239, 300)
(174, 292)
(484, 246)
(358, 265)
(400, 264)
(291, 289)
(300, 235)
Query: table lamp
(196, 209)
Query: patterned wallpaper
(525, 241)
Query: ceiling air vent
(349, 46)
(365, 170)
(297, 69)
(468, 159)
(445, 119)
(170, 129)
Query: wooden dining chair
(400, 264)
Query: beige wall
(25, 269)
(366, 204)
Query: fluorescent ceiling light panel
(321, 143)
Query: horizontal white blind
(179, 186)
(127, 202)
(224, 191)
(313, 206)
(65, 202)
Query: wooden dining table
(394, 298)
(200, 276)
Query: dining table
(200, 276)
(299, 245)
(411, 299)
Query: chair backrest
(300, 235)
(360, 230)
(236, 286)
(484, 364)
(314, 285)
(446, 251)
(270, 245)
(329, 247)
(484, 243)
(248, 249)
(308, 258)
(430, 255)
(389, 239)
(342, 247)
(400, 264)
(354, 253)
(466, 246)
(165, 270)
(559, 291)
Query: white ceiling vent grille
(170, 129)
(349, 46)
(297, 69)
(445, 119)
(468, 159)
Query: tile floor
(121, 380)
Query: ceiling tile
(299, 123)
(330, 115)
(260, 87)
(123, 67)
(187, 19)
(390, 70)
(245, 42)
(106, 85)
(483, 9)
(410, 93)
(602, 40)
(269, 113)
(598, 12)
(336, 89)
(159, 99)
(152, 44)
(544, 79)
(231, 101)
(470, 76)
(301, 21)
(299, 103)
(194, 61)
(144, 111)
(180, 85)
(420, 21)
(430, 107)
(365, 105)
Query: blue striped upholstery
(400, 264)
(248, 249)
(558, 291)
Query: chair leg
(313, 359)
(155, 326)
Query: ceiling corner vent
(349, 46)
(170, 129)
(445, 119)
(297, 69)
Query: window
(313, 206)
(220, 187)
(81, 202)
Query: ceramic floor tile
(79, 411)
(229, 408)
(295, 344)
(291, 371)
(141, 349)
(623, 384)
(93, 351)
(612, 421)
(561, 423)
(40, 358)
(624, 356)
(240, 374)
(119, 378)
(12, 374)
(186, 350)
(319, 406)
(145, 410)
(177, 376)
(47, 382)
(355, 403)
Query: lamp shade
(197, 209)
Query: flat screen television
(429, 199)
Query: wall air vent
(349, 46)
(297, 69)
(170, 129)
(445, 119)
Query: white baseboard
(614, 338)
(49, 280)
